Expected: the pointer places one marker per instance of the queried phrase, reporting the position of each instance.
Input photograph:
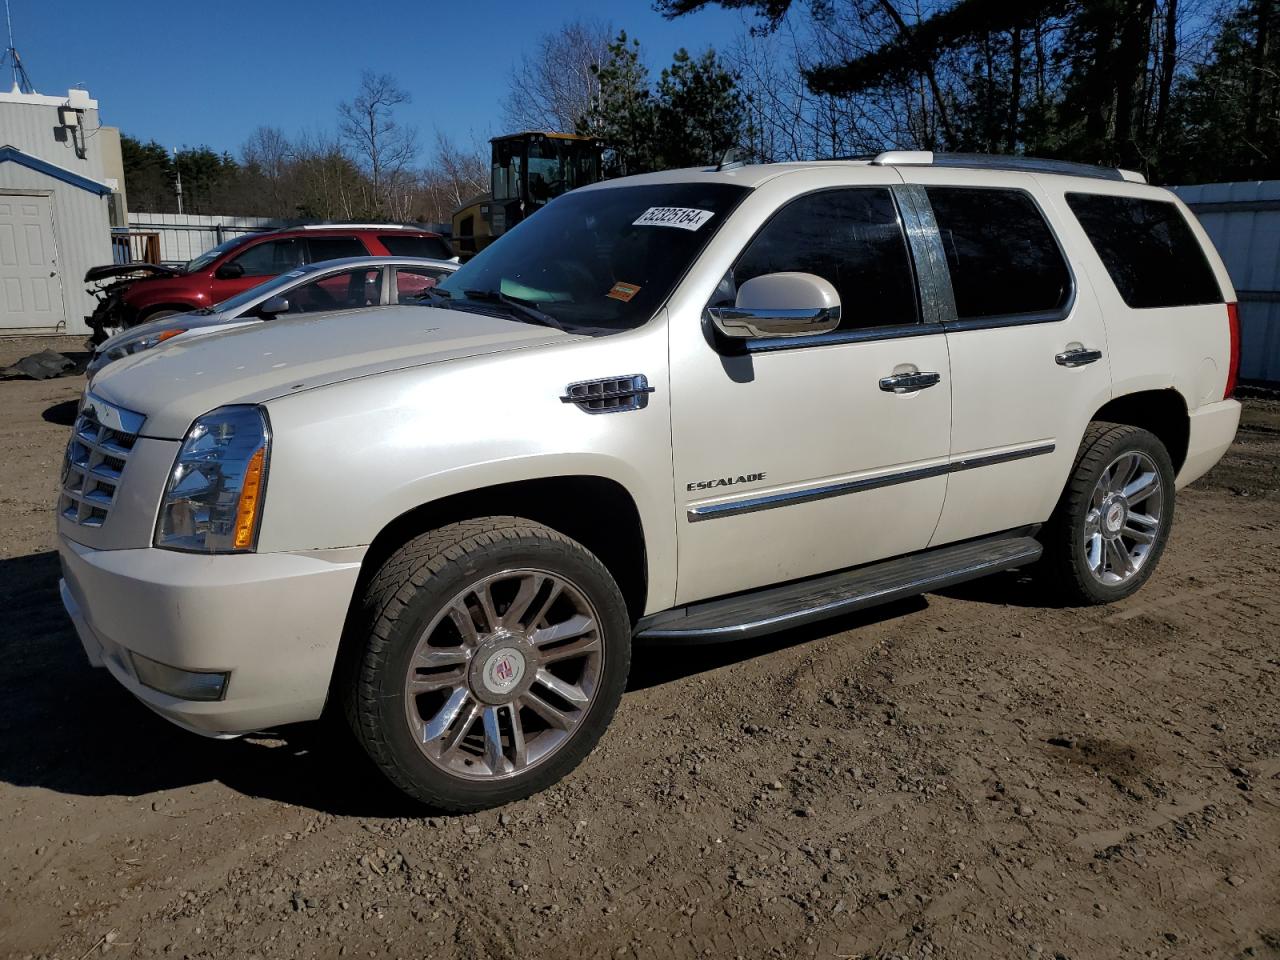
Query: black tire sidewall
(1109, 448)
(413, 771)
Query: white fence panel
(187, 235)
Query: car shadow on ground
(1013, 588)
(70, 728)
(63, 414)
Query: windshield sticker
(686, 218)
(623, 291)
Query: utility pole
(178, 171)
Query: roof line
(10, 152)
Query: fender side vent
(610, 395)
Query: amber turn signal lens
(250, 494)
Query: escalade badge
(724, 482)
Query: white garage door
(30, 288)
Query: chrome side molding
(733, 508)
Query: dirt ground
(970, 774)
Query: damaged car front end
(108, 284)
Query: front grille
(92, 468)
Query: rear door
(30, 287)
(1028, 350)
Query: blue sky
(190, 73)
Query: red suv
(235, 265)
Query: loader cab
(528, 170)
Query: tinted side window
(270, 258)
(413, 282)
(1153, 257)
(852, 238)
(410, 246)
(335, 248)
(339, 291)
(1003, 257)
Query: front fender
(348, 459)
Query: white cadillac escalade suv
(694, 405)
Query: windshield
(231, 304)
(599, 259)
(213, 253)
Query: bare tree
(384, 148)
(554, 86)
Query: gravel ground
(971, 774)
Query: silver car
(345, 284)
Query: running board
(770, 609)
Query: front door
(1028, 351)
(793, 458)
(30, 285)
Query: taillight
(1233, 368)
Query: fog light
(183, 684)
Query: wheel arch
(143, 314)
(1162, 412)
(598, 512)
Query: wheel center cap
(503, 671)
(1114, 516)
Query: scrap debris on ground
(969, 775)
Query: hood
(142, 270)
(251, 364)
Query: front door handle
(1079, 357)
(909, 382)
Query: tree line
(365, 169)
(1184, 91)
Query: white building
(61, 187)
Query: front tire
(495, 652)
(1112, 522)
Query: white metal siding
(1243, 219)
(30, 127)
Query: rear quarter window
(410, 246)
(335, 248)
(1149, 250)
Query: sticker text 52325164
(685, 218)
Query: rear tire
(1112, 522)
(493, 654)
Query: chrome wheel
(1124, 515)
(504, 674)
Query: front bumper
(1212, 430)
(272, 621)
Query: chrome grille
(93, 465)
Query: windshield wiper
(522, 308)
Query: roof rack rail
(992, 161)
(356, 226)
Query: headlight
(128, 344)
(213, 500)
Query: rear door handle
(1077, 358)
(909, 382)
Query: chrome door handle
(1077, 358)
(909, 382)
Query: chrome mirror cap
(780, 305)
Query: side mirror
(780, 305)
(229, 271)
(271, 306)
